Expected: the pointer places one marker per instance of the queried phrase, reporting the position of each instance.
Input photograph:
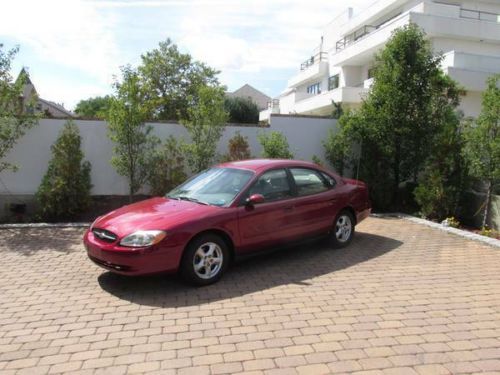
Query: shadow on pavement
(30, 241)
(294, 265)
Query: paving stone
(403, 298)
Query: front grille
(111, 266)
(104, 235)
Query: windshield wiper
(190, 199)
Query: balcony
(437, 20)
(479, 15)
(273, 106)
(314, 67)
(320, 56)
(361, 51)
(321, 103)
(470, 70)
(351, 38)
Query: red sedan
(227, 211)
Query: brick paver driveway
(402, 299)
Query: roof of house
(247, 91)
(57, 106)
(29, 90)
(246, 88)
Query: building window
(333, 82)
(314, 89)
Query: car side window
(308, 181)
(273, 185)
(329, 179)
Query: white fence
(32, 152)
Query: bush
(241, 110)
(65, 188)
(451, 222)
(443, 177)
(337, 148)
(238, 148)
(166, 168)
(275, 145)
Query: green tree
(205, 122)
(242, 110)
(275, 145)
(238, 148)
(337, 145)
(16, 116)
(170, 78)
(65, 188)
(482, 148)
(166, 169)
(133, 142)
(396, 123)
(96, 107)
(444, 176)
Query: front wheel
(205, 260)
(343, 230)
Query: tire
(343, 230)
(205, 260)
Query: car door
(267, 223)
(316, 203)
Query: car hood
(154, 213)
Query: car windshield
(215, 186)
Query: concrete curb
(459, 232)
(44, 225)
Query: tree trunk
(130, 187)
(488, 201)
(397, 161)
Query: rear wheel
(343, 230)
(205, 260)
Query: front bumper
(126, 261)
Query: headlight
(143, 238)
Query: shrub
(337, 149)
(241, 110)
(443, 177)
(485, 231)
(65, 188)
(275, 145)
(451, 222)
(238, 148)
(166, 168)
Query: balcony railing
(320, 56)
(351, 38)
(479, 15)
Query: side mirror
(254, 199)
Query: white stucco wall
(32, 152)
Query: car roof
(258, 165)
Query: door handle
(288, 208)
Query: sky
(73, 49)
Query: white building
(466, 32)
